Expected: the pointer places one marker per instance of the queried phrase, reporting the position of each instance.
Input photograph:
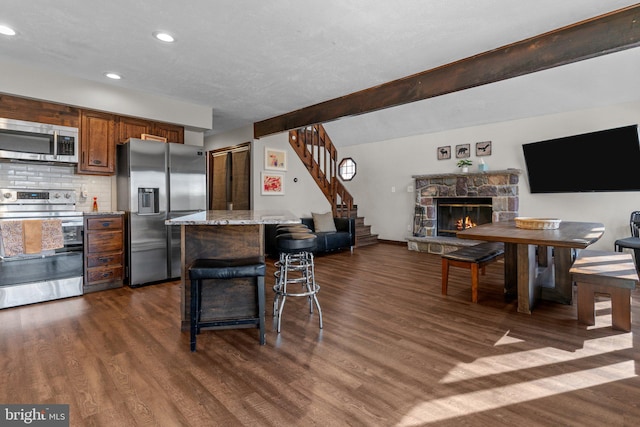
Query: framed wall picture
(275, 159)
(463, 151)
(444, 152)
(272, 183)
(483, 148)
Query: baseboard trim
(393, 242)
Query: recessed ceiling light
(113, 76)
(7, 31)
(165, 37)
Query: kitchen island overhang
(223, 234)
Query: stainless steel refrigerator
(157, 181)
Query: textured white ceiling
(252, 60)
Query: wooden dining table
(537, 261)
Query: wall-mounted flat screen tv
(607, 160)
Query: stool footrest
(295, 268)
(231, 322)
(214, 268)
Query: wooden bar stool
(207, 269)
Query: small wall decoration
(272, 183)
(463, 151)
(483, 148)
(275, 159)
(444, 152)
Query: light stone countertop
(239, 217)
(103, 213)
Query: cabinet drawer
(106, 223)
(104, 242)
(98, 275)
(105, 260)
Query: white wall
(229, 139)
(193, 138)
(392, 163)
(301, 197)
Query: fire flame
(464, 223)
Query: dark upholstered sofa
(343, 238)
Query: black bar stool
(287, 229)
(296, 225)
(208, 268)
(295, 267)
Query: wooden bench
(474, 258)
(609, 273)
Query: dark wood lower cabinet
(104, 252)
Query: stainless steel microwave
(31, 141)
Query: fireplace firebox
(458, 213)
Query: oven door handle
(72, 224)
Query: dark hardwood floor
(393, 352)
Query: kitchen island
(224, 234)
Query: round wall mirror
(347, 169)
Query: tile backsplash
(26, 175)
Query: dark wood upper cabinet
(97, 143)
(173, 133)
(130, 127)
(99, 131)
(14, 107)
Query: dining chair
(632, 242)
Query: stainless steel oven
(51, 274)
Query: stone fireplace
(441, 201)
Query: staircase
(320, 157)
(363, 233)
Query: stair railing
(320, 157)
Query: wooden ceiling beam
(604, 34)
